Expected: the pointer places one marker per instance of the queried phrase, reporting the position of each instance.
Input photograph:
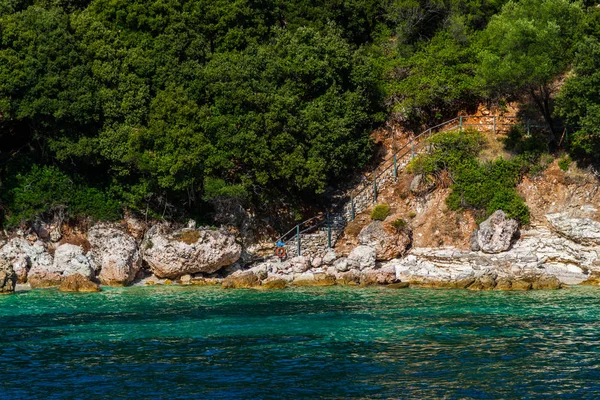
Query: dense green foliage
(169, 108)
(579, 99)
(187, 101)
(380, 212)
(481, 186)
(48, 190)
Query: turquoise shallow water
(188, 342)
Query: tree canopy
(164, 107)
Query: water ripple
(178, 342)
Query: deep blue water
(189, 342)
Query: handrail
(399, 154)
(377, 174)
(294, 229)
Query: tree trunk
(542, 100)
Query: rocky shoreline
(501, 258)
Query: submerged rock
(189, 251)
(399, 285)
(116, 253)
(78, 283)
(8, 277)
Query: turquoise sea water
(189, 342)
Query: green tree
(579, 100)
(526, 46)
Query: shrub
(380, 212)
(412, 214)
(564, 162)
(399, 224)
(450, 149)
(481, 186)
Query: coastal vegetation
(199, 108)
(482, 186)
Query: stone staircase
(316, 235)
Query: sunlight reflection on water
(182, 342)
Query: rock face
(23, 256)
(188, 251)
(540, 259)
(388, 244)
(115, 253)
(68, 260)
(584, 231)
(363, 256)
(78, 283)
(299, 264)
(8, 277)
(495, 234)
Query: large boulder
(274, 282)
(8, 277)
(24, 255)
(380, 276)
(300, 264)
(241, 280)
(78, 283)
(115, 253)
(495, 234)
(388, 242)
(189, 251)
(363, 256)
(584, 231)
(329, 257)
(69, 259)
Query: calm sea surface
(188, 342)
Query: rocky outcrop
(241, 280)
(188, 251)
(115, 253)
(363, 257)
(69, 259)
(540, 259)
(388, 242)
(78, 283)
(274, 282)
(584, 231)
(378, 276)
(8, 277)
(495, 234)
(24, 255)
